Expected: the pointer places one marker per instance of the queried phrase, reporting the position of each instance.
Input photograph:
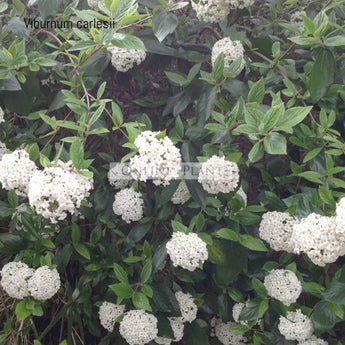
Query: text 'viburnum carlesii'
(16, 170)
(276, 228)
(129, 205)
(295, 326)
(181, 194)
(14, 277)
(108, 313)
(232, 51)
(218, 175)
(187, 306)
(116, 176)
(283, 285)
(317, 236)
(138, 327)
(225, 336)
(59, 189)
(123, 59)
(157, 159)
(313, 341)
(44, 283)
(186, 251)
(177, 327)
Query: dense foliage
(251, 254)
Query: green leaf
(117, 114)
(321, 74)
(21, 311)
(76, 153)
(311, 154)
(275, 144)
(335, 293)
(127, 41)
(257, 92)
(140, 301)
(263, 307)
(323, 319)
(238, 328)
(218, 68)
(314, 289)
(292, 117)
(256, 153)
(163, 24)
(75, 233)
(253, 243)
(177, 226)
(146, 272)
(82, 250)
(120, 273)
(259, 288)
(164, 299)
(335, 41)
(176, 78)
(123, 290)
(228, 234)
(13, 199)
(205, 105)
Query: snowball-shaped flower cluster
(187, 306)
(14, 277)
(240, 3)
(16, 170)
(186, 251)
(276, 228)
(181, 194)
(157, 158)
(123, 59)
(177, 327)
(225, 336)
(117, 176)
(317, 236)
(218, 175)
(138, 327)
(313, 341)
(211, 11)
(295, 326)
(129, 205)
(340, 219)
(108, 313)
(296, 19)
(3, 149)
(56, 190)
(283, 285)
(236, 311)
(232, 51)
(2, 115)
(44, 283)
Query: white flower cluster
(276, 228)
(243, 195)
(225, 336)
(186, 251)
(14, 277)
(232, 51)
(2, 114)
(20, 281)
(295, 326)
(93, 4)
(181, 194)
(138, 327)
(240, 3)
(313, 341)
(177, 327)
(16, 170)
(116, 177)
(44, 283)
(218, 175)
(123, 59)
(296, 19)
(283, 285)
(129, 205)
(157, 158)
(56, 190)
(108, 313)
(317, 236)
(211, 11)
(3, 149)
(236, 311)
(187, 306)
(340, 219)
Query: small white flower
(187, 306)
(218, 175)
(3, 149)
(44, 283)
(225, 336)
(276, 228)
(211, 11)
(93, 4)
(14, 276)
(129, 205)
(123, 59)
(16, 170)
(187, 251)
(295, 326)
(108, 313)
(2, 115)
(138, 327)
(313, 341)
(296, 19)
(116, 177)
(181, 194)
(283, 285)
(177, 327)
(232, 51)
(240, 3)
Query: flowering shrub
(172, 172)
